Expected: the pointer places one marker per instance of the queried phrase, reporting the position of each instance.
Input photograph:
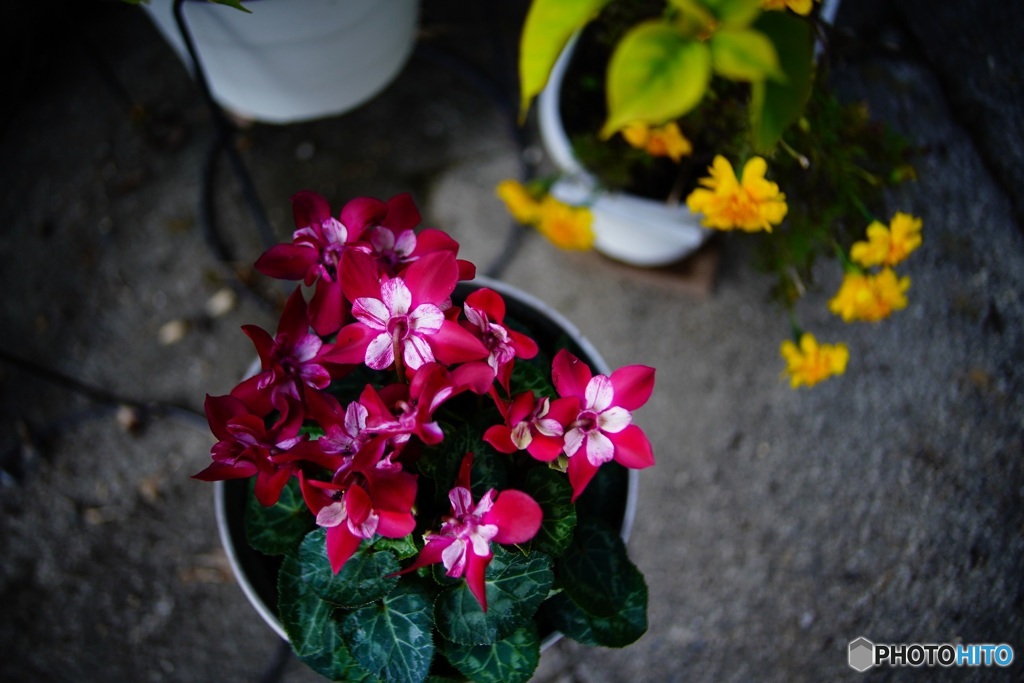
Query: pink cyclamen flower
(368, 495)
(404, 315)
(314, 256)
(535, 426)
(463, 545)
(246, 447)
(485, 318)
(291, 361)
(602, 430)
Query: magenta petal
(430, 240)
(500, 438)
(219, 471)
(477, 377)
(431, 553)
(287, 261)
(360, 275)
(263, 342)
(255, 399)
(476, 569)
(581, 471)
(395, 524)
(545, 448)
(488, 301)
(309, 209)
(432, 278)
(454, 344)
(220, 409)
(349, 347)
(341, 544)
(402, 213)
(327, 308)
(570, 375)
(517, 516)
(269, 485)
(633, 386)
(524, 347)
(361, 213)
(632, 448)
(294, 322)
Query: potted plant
(436, 472)
(671, 119)
(292, 60)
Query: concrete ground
(777, 526)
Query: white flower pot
(294, 60)
(631, 229)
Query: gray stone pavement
(777, 526)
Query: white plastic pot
(294, 60)
(631, 229)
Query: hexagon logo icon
(862, 654)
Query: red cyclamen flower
(535, 426)
(463, 543)
(602, 431)
(485, 317)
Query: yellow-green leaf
(775, 106)
(736, 13)
(656, 74)
(548, 27)
(745, 55)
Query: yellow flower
(888, 246)
(567, 227)
(799, 6)
(658, 141)
(811, 362)
(869, 297)
(519, 202)
(751, 204)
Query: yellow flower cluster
(811, 362)
(658, 141)
(873, 296)
(567, 227)
(751, 203)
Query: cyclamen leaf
(528, 376)
(596, 572)
(618, 630)
(335, 662)
(391, 638)
(509, 660)
(553, 493)
(365, 577)
(306, 617)
(516, 585)
(656, 73)
(278, 529)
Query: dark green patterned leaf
(552, 491)
(278, 529)
(516, 584)
(365, 577)
(509, 660)
(305, 616)
(391, 638)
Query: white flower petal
(614, 420)
(416, 352)
(380, 353)
(600, 448)
(396, 296)
(371, 312)
(599, 393)
(573, 440)
(331, 515)
(426, 319)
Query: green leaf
(305, 616)
(656, 74)
(278, 529)
(515, 583)
(403, 548)
(365, 577)
(735, 13)
(548, 27)
(745, 55)
(335, 662)
(775, 106)
(509, 660)
(553, 493)
(604, 596)
(529, 376)
(392, 638)
(596, 572)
